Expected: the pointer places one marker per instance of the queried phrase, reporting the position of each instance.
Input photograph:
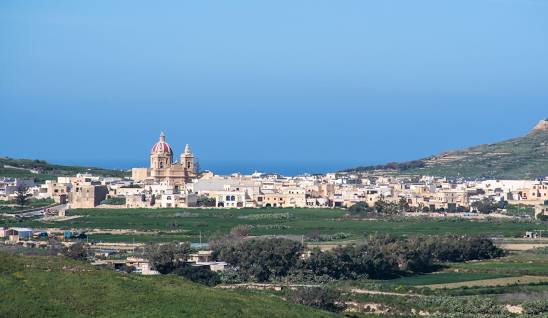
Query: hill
(53, 286)
(42, 170)
(524, 157)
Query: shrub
(75, 251)
(230, 276)
(359, 208)
(198, 274)
(167, 257)
(319, 297)
(259, 259)
(535, 307)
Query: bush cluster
(380, 257)
(319, 297)
(171, 259)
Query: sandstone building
(164, 169)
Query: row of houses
(270, 190)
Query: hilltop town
(169, 183)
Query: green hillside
(42, 170)
(519, 158)
(45, 286)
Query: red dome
(161, 147)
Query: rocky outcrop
(542, 126)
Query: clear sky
(291, 86)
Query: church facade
(164, 169)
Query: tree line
(380, 257)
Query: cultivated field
(325, 225)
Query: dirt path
(522, 246)
(295, 286)
(377, 292)
(520, 280)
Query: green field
(526, 263)
(12, 207)
(20, 168)
(43, 286)
(467, 300)
(514, 265)
(439, 278)
(187, 224)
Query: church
(164, 169)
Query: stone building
(87, 196)
(164, 169)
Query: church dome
(161, 147)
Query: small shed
(23, 233)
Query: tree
(383, 207)
(260, 259)
(76, 251)
(359, 208)
(22, 195)
(205, 201)
(167, 257)
(485, 205)
(403, 205)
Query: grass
(440, 278)
(12, 207)
(520, 210)
(45, 286)
(509, 280)
(139, 238)
(524, 157)
(211, 222)
(519, 280)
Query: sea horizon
(226, 167)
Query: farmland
(161, 225)
(478, 288)
(471, 288)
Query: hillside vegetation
(519, 158)
(42, 170)
(47, 286)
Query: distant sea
(225, 168)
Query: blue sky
(291, 86)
